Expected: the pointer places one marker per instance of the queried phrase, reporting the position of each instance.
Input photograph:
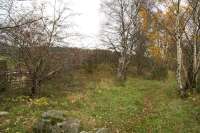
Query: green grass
(137, 106)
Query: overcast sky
(87, 21)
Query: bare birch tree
(121, 30)
(179, 48)
(187, 44)
(7, 21)
(36, 42)
(195, 4)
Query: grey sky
(87, 20)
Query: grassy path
(139, 106)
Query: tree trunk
(192, 70)
(179, 68)
(139, 68)
(190, 79)
(34, 87)
(194, 83)
(3, 75)
(122, 68)
(179, 54)
(195, 60)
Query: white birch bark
(179, 51)
(196, 32)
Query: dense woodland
(145, 80)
